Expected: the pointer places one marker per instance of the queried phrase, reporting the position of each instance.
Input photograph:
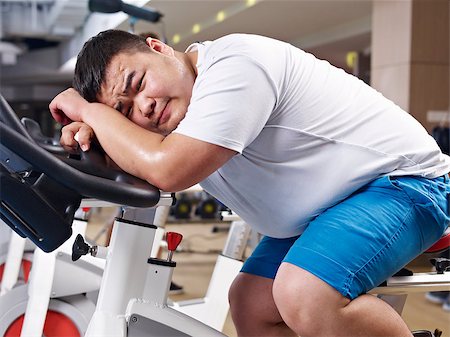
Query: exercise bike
(24, 170)
(70, 309)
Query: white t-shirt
(308, 134)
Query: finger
(84, 137)
(59, 116)
(70, 149)
(66, 120)
(57, 113)
(67, 136)
(84, 146)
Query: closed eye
(140, 83)
(128, 112)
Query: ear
(159, 46)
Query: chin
(171, 124)
(165, 130)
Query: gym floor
(198, 252)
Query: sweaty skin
(145, 96)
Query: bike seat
(40, 191)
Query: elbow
(172, 186)
(157, 173)
(167, 182)
(168, 175)
(166, 186)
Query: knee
(297, 311)
(294, 311)
(251, 301)
(302, 306)
(234, 293)
(238, 298)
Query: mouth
(165, 114)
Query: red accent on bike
(440, 245)
(85, 209)
(56, 325)
(26, 267)
(173, 240)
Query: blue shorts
(357, 244)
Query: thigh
(358, 243)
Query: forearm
(136, 150)
(140, 152)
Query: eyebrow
(128, 82)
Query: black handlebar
(41, 185)
(94, 181)
(8, 117)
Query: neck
(191, 61)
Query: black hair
(96, 55)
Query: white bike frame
(134, 288)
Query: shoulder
(245, 45)
(267, 52)
(243, 48)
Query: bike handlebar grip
(173, 240)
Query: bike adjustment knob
(173, 239)
(441, 264)
(79, 248)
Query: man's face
(151, 89)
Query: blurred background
(400, 47)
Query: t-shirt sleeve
(231, 102)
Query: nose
(145, 105)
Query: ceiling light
(196, 28)
(220, 16)
(176, 38)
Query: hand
(76, 133)
(68, 107)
